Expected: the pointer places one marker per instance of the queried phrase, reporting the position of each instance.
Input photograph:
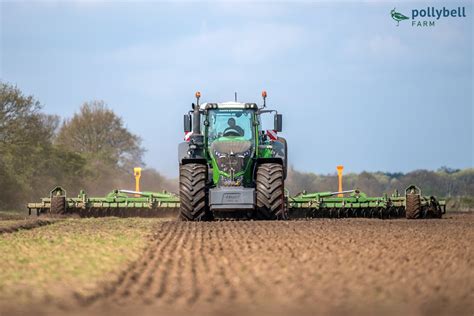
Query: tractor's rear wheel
(193, 193)
(270, 192)
(58, 205)
(413, 206)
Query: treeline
(444, 182)
(92, 150)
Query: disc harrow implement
(351, 203)
(119, 203)
(412, 205)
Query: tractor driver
(233, 129)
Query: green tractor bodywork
(230, 151)
(239, 172)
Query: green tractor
(229, 167)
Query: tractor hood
(227, 145)
(231, 158)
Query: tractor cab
(230, 139)
(230, 122)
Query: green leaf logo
(397, 16)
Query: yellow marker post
(339, 176)
(137, 172)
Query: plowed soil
(343, 266)
(10, 226)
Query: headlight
(244, 154)
(219, 155)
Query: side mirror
(187, 123)
(278, 122)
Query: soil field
(327, 266)
(324, 266)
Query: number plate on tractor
(231, 197)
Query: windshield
(230, 123)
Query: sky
(353, 87)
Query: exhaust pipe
(197, 116)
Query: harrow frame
(358, 204)
(304, 205)
(116, 203)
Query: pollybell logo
(428, 16)
(397, 16)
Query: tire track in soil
(225, 261)
(143, 284)
(248, 281)
(176, 272)
(157, 274)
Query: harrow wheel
(413, 206)
(434, 210)
(193, 193)
(270, 192)
(58, 205)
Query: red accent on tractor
(272, 134)
(187, 136)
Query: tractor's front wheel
(270, 192)
(193, 193)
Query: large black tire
(58, 205)
(413, 206)
(436, 212)
(435, 209)
(193, 193)
(270, 192)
